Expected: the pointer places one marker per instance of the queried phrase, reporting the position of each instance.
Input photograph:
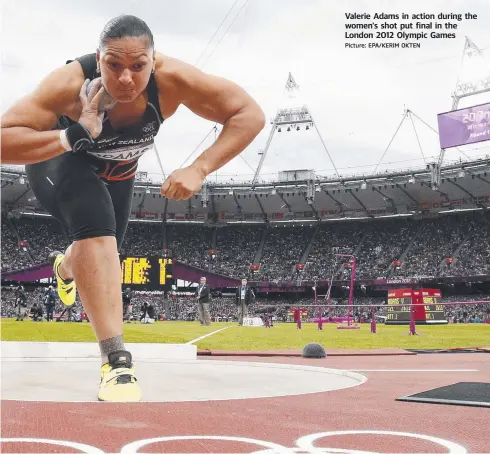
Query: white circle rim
(306, 442)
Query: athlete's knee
(85, 251)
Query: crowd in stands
(322, 263)
(474, 313)
(433, 242)
(242, 244)
(14, 256)
(282, 251)
(42, 237)
(143, 239)
(384, 243)
(419, 247)
(474, 254)
(190, 243)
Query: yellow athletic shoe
(117, 382)
(67, 290)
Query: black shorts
(70, 189)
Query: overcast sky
(357, 96)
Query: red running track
(280, 420)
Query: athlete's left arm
(224, 102)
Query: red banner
(254, 267)
(300, 266)
(146, 215)
(276, 216)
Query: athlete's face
(125, 66)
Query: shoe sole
(55, 265)
(124, 390)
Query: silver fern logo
(150, 127)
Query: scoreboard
(427, 307)
(399, 306)
(147, 273)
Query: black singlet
(115, 156)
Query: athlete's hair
(125, 26)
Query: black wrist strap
(79, 138)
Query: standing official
(244, 297)
(21, 303)
(49, 302)
(126, 299)
(203, 295)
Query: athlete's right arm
(26, 127)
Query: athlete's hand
(182, 184)
(90, 117)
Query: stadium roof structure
(298, 195)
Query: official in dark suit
(244, 297)
(203, 296)
(21, 303)
(126, 299)
(49, 302)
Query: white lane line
(414, 370)
(206, 335)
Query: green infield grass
(283, 336)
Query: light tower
(289, 118)
(474, 75)
(473, 79)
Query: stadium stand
(397, 230)
(377, 244)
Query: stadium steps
(355, 253)
(389, 271)
(455, 253)
(164, 235)
(306, 253)
(213, 245)
(214, 239)
(260, 250)
(11, 224)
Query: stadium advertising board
(464, 126)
